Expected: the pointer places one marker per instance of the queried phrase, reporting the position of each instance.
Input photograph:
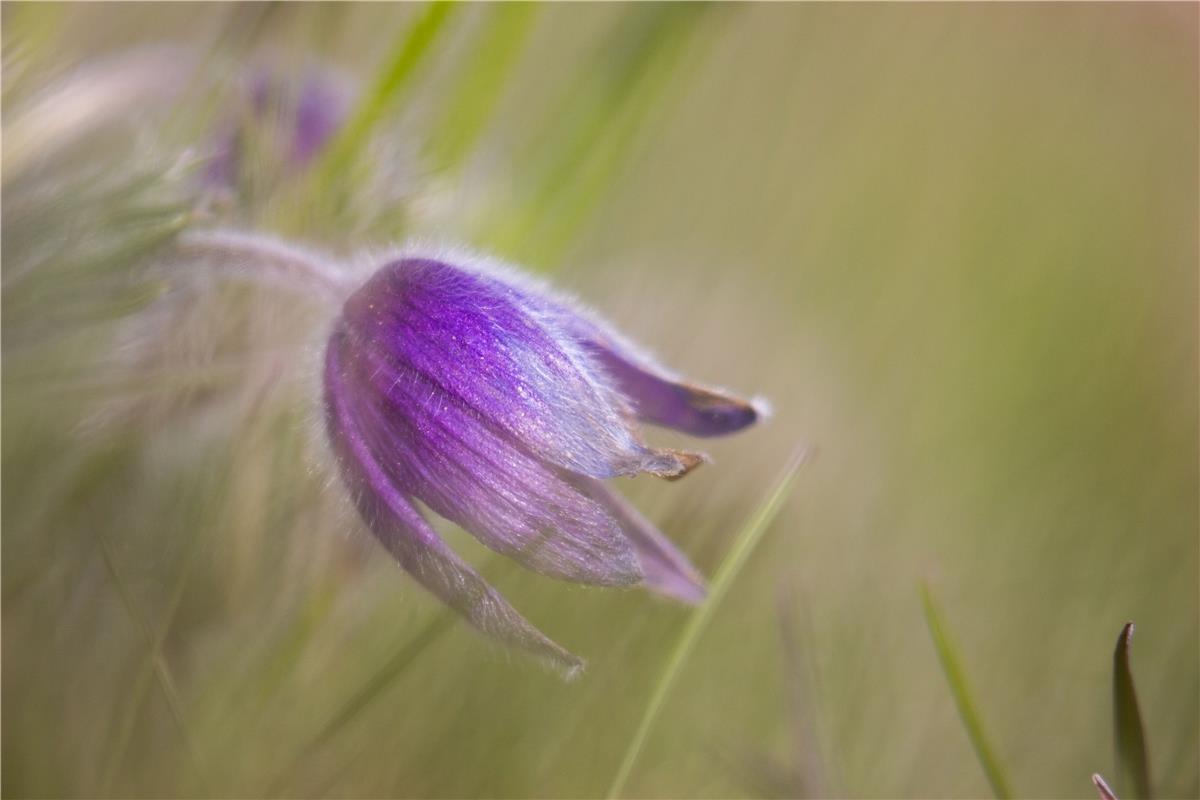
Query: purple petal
(660, 398)
(506, 356)
(665, 570)
(320, 111)
(436, 448)
(402, 529)
(302, 119)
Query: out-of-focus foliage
(955, 246)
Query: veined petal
(402, 529)
(665, 569)
(674, 404)
(439, 450)
(506, 355)
(659, 397)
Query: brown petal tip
(684, 462)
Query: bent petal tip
(709, 412)
(689, 461)
(571, 670)
(671, 464)
(763, 409)
(675, 584)
(665, 570)
(660, 398)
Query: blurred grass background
(956, 246)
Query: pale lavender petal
(438, 449)
(481, 340)
(402, 529)
(665, 569)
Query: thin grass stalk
(967, 710)
(483, 76)
(376, 685)
(408, 54)
(162, 671)
(154, 666)
(743, 546)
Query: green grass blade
(809, 772)
(375, 686)
(743, 546)
(602, 85)
(362, 699)
(394, 80)
(154, 666)
(967, 710)
(567, 206)
(1133, 765)
(589, 135)
(162, 672)
(470, 105)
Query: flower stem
(246, 256)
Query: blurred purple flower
(502, 407)
(302, 118)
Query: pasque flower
(301, 118)
(503, 407)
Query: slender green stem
(482, 79)
(408, 54)
(967, 710)
(593, 132)
(383, 679)
(154, 666)
(743, 546)
(162, 672)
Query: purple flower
(301, 118)
(503, 407)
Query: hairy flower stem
(236, 255)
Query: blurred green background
(955, 246)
